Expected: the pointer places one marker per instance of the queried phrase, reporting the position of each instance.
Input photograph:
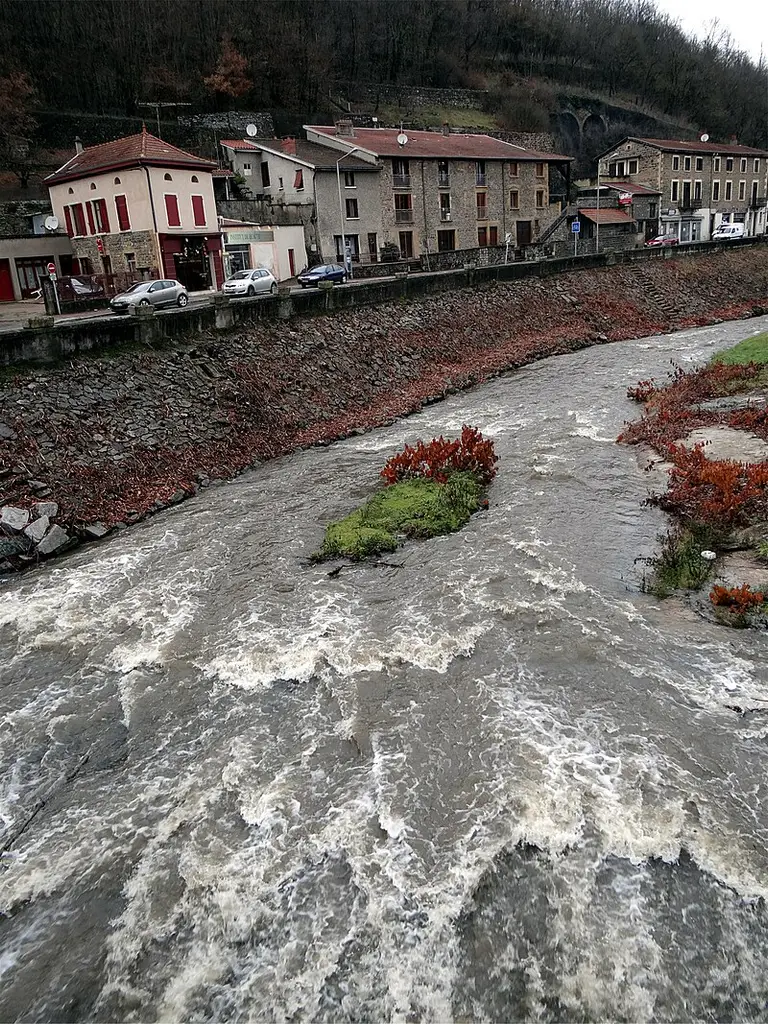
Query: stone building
(702, 184)
(140, 207)
(439, 191)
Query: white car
(251, 282)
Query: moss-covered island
(429, 490)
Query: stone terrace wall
(112, 439)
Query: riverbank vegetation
(718, 504)
(429, 490)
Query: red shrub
(642, 391)
(471, 453)
(720, 493)
(737, 599)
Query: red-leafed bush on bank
(739, 600)
(721, 493)
(642, 391)
(471, 453)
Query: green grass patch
(751, 350)
(412, 508)
(679, 565)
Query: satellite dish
(51, 223)
(402, 138)
(251, 130)
(705, 137)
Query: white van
(727, 231)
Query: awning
(607, 216)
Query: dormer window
(167, 177)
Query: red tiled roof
(238, 144)
(631, 188)
(607, 216)
(455, 146)
(684, 146)
(132, 151)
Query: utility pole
(157, 106)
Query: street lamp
(341, 210)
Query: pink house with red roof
(140, 206)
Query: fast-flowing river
(496, 782)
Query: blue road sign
(576, 227)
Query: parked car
(86, 287)
(663, 240)
(150, 293)
(326, 272)
(728, 232)
(250, 282)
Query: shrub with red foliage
(471, 453)
(721, 493)
(642, 391)
(739, 600)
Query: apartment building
(702, 184)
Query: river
(491, 780)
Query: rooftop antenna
(157, 106)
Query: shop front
(193, 260)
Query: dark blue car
(326, 272)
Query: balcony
(446, 215)
(401, 180)
(688, 205)
(757, 202)
(403, 216)
(443, 181)
(480, 179)
(482, 213)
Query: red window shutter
(298, 181)
(123, 221)
(68, 219)
(77, 213)
(198, 209)
(104, 216)
(172, 211)
(91, 224)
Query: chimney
(78, 145)
(446, 128)
(346, 128)
(289, 146)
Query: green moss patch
(412, 508)
(751, 350)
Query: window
(443, 174)
(540, 170)
(633, 166)
(480, 172)
(91, 222)
(101, 216)
(130, 259)
(349, 179)
(728, 191)
(298, 180)
(195, 180)
(445, 206)
(70, 191)
(403, 207)
(123, 221)
(401, 173)
(675, 191)
(493, 236)
(653, 211)
(78, 219)
(482, 208)
(265, 174)
(514, 199)
(756, 167)
(514, 169)
(697, 191)
(172, 211)
(612, 171)
(715, 191)
(167, 177)
(699, 163)
(117, 181)
(373, 250)
(482, 237)
(446, 241)
(93, 184)
(716, 165)
(619, 169)
(539, 197)
(743, 165)
(675, 163)
(68, 220)
(406, 244)
(729, 163)
(198, 211)
(279, 184)
(755, 186)
(686, 163)
(351, 209)
(742, 190)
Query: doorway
(192, 265)
(523, 228)
(6, 282)
(292, 262)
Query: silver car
(250, 282)
(150, 293)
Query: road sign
(51, 268)
(576, 227)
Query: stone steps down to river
(118, 437)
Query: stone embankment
(111, 439)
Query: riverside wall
(110, 437)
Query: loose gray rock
(96, 531)
(14, 519)
(10, 546)
(37, 485)
(6, 433)
(45, 508)
(53, 541)
(37, 529)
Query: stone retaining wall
(110, 439)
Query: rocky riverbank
(112, 439)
